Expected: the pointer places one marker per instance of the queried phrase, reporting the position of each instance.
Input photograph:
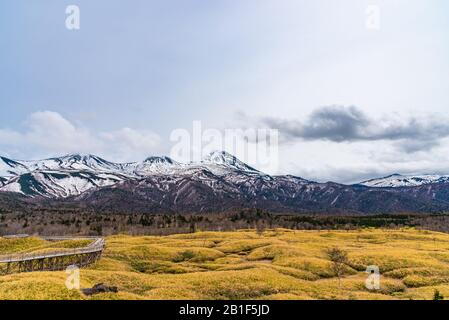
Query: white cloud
(354, 162)
(347, 145)
(48, 133)
(9, 136)
(126, 143)
(51, 132)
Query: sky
(351, 100)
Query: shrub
(184, 256)
(437, 295)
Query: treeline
(69, 222)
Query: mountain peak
(160, 160)
(79, 156)
(9, 167)
(220, 157)
(226, 159)
(394, 175)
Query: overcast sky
(350, 102)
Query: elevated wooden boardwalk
(53, 260)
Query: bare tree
(260, 228)
(339, 259)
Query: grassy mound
(275, 264)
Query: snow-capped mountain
(59, 177)
(59, 184)
(222, 158)
(218, 183)
(73, 162)
(75, 174)
(397, 180)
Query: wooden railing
(97, 245)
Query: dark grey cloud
(350, 124)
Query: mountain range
(220, 182)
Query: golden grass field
(275, 264)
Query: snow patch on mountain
(75, 162)
(9, 168)
(223, 158)
(157, 165)
(397, 180)
(12, 186)
(59, 184)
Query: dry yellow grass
(24, 245)
(277, 264)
